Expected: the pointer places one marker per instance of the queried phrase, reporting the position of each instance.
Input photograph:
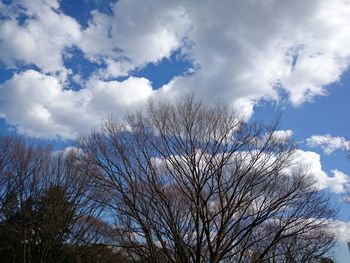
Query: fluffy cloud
(241, 51)
(38, 105)
(338, 182)
(235, 58)
(135, 35)
(283, 134)
(328, 143)
(40, 39)
(341, 230)
(253, 49)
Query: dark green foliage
(33, 230)
(47, 208)
(37, 231)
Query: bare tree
(46, 201)
(186, 183)
(304, 247)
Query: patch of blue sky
(21, 15)
(7, 73)
(22, 18)
(337, 202)
(6, 129)
(341, 252)
(324, 115)
(75, 60)
(57, 143)
(11, 130)
(7, 2)
(81, 9)
(162, 72)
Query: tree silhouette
(186, 183)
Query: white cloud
(41, 39)
(117, 97)
(341, 230)
(39, 106)
(244, 107)
(242, 52)
(245, 48)
(336, 182)
(283, 134)
(328, 143)
(136, 35)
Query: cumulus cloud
(42, 37)
(38, 105)
(241, 52)
(341, 230)
(337, 182)
(282, 134)
(328, 143)
(135, 35)
(306, 162)
(253, 49)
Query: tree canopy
(180, 182)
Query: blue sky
(67, 65)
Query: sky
(67, 65)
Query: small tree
(186, 183)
